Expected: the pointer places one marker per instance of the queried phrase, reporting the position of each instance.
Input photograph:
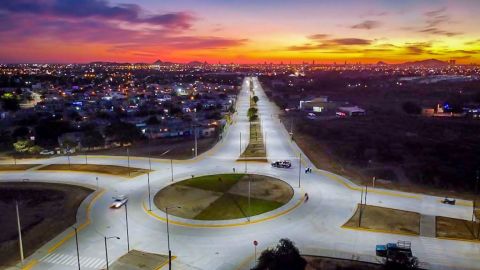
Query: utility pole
(149, 193)
(240, 143)
(19, 233)
(128, 160)
(126, 222)
(171, 167)
(76, 242)
(299, 168)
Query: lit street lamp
(168, 237)
(106, 248)
(76, 242)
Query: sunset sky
(64, 31)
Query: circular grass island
(223, 196)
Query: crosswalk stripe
(65, 259)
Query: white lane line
(64, 259)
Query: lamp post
(126, 222)
(171, 167)
(128, 160)
(299, 168)
(149, 195)
(20, 242)
(168, 237)
(96, 179)
(106, 247)
(76, 242)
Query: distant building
(319, 104)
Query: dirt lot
(174, 148)
(385, 220)
(94, 168)
(17, 167)
(410, 157)
(326, 263)
(139, 260)
(456, 228)
(45, 211)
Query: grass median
(17, 167)
(122, 171)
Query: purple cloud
(368, 24)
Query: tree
(252, 113)
(255, 99)
(152, 120)
(285, 256)
(10, 102)
(47, 132)
(411, 107)
(123, 133)
(26, 147)
(92, 138)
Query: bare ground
(45, 211)
(456, 228)
(384, 219)
(263, 187)
(96, 168)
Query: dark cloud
(322, 43)
(318, 36)
(436, 31)
(368, 24)
(418, 48)
(97, 22)
(94, 9)
(351, 41)
(435, 20)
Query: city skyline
(54, 31)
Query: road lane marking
(65, 259)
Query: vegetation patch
(140, 260)
(456, 228)
(17, 167)
(96, 168)
(384, 219)
(224, 196)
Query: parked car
(282, 164)
(47, 152)
(119, 201)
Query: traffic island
(122, 171)
(457, 229)
(224, 196)
(384, 220)
(140, 260)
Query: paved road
(315, 226)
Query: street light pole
(106, 247)
(20, 242)
(126, 222)
(171, 167)
(149, 195)
(299, 168)
(76, 242)
(96, 178)
(128, 160)
(168, 238)
(249, 190)
(240, 143)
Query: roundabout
(224, 196)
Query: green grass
(231, 206)
(218, 183)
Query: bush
(284, 256)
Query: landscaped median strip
(116, 170)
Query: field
(17, 167)
(456, 228)
(45, 211)
(94, 168)
(387, 220)
(224, 196)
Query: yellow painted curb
(165, 263)
(81, 227)
(379, 231)
(476, 241)
(244, 223)
(30, 264)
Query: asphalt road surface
(315, 225)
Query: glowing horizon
(69, 31)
